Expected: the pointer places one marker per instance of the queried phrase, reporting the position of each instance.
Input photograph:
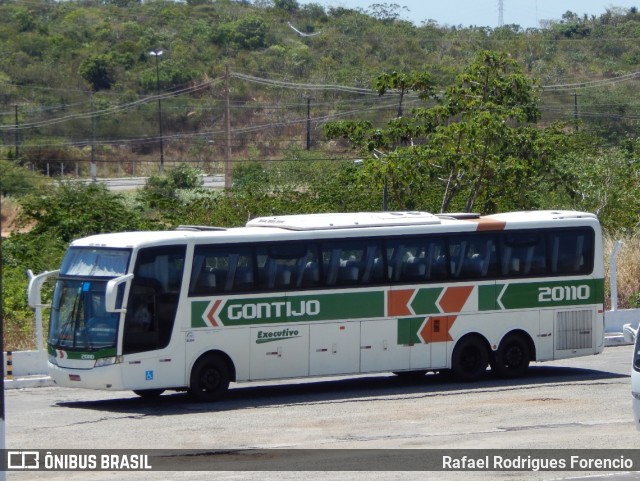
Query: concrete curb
(28, 382)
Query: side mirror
(111, 296)
(35, 287)
(629, 333)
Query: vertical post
(613, 275)
(159, 113)
(308, 123)
(385, 194)
(17, 138)
(94, 167)
(575, 110)
(156, 54)
(227, 156)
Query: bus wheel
(470, 359)
(512, 357)
(209, 379)
(148, 393)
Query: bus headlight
(53, 360)
(636, 395)
(108, 361)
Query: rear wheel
(470, 359)
(209, 379)
(512, 357)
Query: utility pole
(500, 13)
(17, 140)
(156, 54)
(227, 155)
(575, 110)
(94, 168)
(308, 123)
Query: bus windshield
(78, 316)
(79, 320)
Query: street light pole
(156, 54)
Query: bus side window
(153, 298)
(221, 269)
(571, 251)
(283, 266)
(522, 254)
(348, 263)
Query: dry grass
(8, 213)
(628, 267)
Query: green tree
(405, 82)
(17, 181)
(73, 210)
(97, 71)
(476, 145)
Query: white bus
(326, 294)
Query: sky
(526, 13)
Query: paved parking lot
(581, 403)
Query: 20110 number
(564, 293)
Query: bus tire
(209, 379)
(148, 393)
(470, 359)
(512, 357)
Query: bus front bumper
(104, 377)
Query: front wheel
(470, 359)
(512, 357)
(209, 379)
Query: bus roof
(349, 224)
(345, 221)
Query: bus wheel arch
(210, 376)
(470, 357)
(515, 351)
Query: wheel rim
(210, 379)
(471, 358)
(513, 356)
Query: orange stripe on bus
(212, 313)
(436, 329)
(488, 224)
(398, 302)
(454, 298)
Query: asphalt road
(133, 183)
(582, 403)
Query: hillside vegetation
(305, 110)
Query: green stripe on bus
(82, 355)
(424, 301)
(197, 310)
(549, 294)
(315, 307)
(408, 330)
(487, 297)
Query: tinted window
(352, 262)
(472, 256)
(221, 269)
(417, 259)
(570, 251)
(522, 254)
(288, 266)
